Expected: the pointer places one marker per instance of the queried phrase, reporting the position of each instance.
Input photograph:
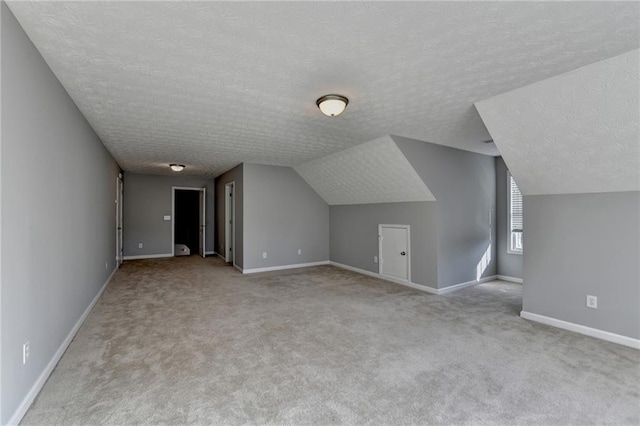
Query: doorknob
(402, 253)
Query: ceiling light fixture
(177, 167)
(332, 105)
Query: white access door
(203, 222)
(394, 261)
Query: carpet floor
(192, 341)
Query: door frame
(230, 214)
(381, 261)
(119, 211)
(203, 217)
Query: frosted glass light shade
(332, 105)
(176, 167)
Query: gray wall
(282, 214)
(354, 236)
(58, 214)
(464, 186)
(581, 244)
(234, 175)
(508, 264)
(147, 199)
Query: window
(515, 217)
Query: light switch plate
(167, 218)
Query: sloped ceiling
(373, 172)
(215, 84)
(575, 133)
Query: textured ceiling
(373, 172)
(213, 84)
(575, 133)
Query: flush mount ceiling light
(177, 167)
(332, 105)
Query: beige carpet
(190, 340)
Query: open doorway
(189, 221)
(229, 223)
(119, 239)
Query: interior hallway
(191, 340)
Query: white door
(119, 189)
(203, 222)
(394, 251)
(229, 219)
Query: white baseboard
(283, 267)
(148, 256)
(582, 329)
(209, 253)
(239, 268)
(511, 279)
(382, 277)
(42, 379)
(420, 287)
(460, 286)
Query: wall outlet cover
(264, 254)
(592, 302)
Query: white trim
(148, 256)
(512, 279)
(460, 286)
(282, 267)
(215, 253)
(209, 253)
(582, 329)
(173, 215)
(42, 379)
(239, 268)
(420, 287)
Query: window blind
(516, 206)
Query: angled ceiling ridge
(370, 173)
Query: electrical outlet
(299, 251)
(375, 259)
(106, 266)
(592, 302)
(139, 245)
(25, 352)
(264, 254)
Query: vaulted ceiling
(213, 84)
(574, 133)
